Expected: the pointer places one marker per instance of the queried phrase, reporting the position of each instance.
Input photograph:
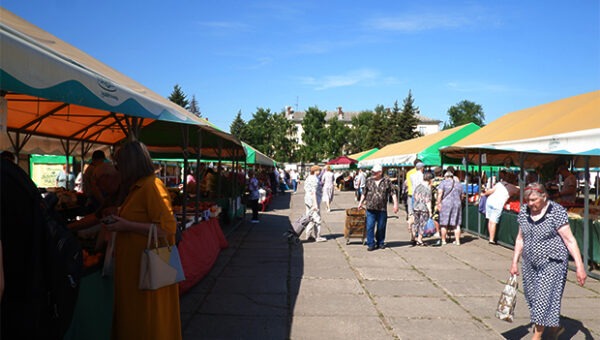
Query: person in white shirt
(494, 205)
(294, 178)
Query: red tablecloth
(199, 248)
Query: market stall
(363, 154)
(255, 157)
(56, 98)
(424, 148)
(564, 131)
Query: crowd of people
(128, 190)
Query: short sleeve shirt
(377, 194)
(541, 240)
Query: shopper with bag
(141, 314)
(422, 208)
(545, 241)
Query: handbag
(508, 300)
(160, 266)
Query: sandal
(421, 244)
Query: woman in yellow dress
(141, 314)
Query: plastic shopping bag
(508, 300)
(429, 229)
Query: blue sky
(241, 55)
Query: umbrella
(342, 162)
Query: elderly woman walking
(312, 200)
(328, 182)
(545, 241)
(450, 207)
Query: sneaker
(382, 246)
(443, 243)
(436, 235)
(456, 243)
(321, 239)
(371, 248)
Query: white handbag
(160, 266)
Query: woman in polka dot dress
(545, 240)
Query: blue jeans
(379, 217)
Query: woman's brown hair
(133, 161)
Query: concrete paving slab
(327, 272)
(420, 307)
(338, 328)
(245, 304)
(455, 274)
(334, 305)
(256, 269)
(329, 286)
(203, 326)
(251, 284)
(440, 328)
(379, 273)
(483, 287)
(382, 288)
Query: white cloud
(415, 23)
(432, 19)
(363, 77)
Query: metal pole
(586, 215)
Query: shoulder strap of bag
(451, 188)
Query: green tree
(178, 97)
(283, 146)
(376, 136)
(395, 124)
(336, 136)
(238, 127)
(258, 131)
(193, 107)
(463, 113)
(361, 124)
(408, 119)
(313, 125)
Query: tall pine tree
(178, 97)
(408, 118)
(238, 127)
(376, 136)
(357, 137)
(193, 107)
